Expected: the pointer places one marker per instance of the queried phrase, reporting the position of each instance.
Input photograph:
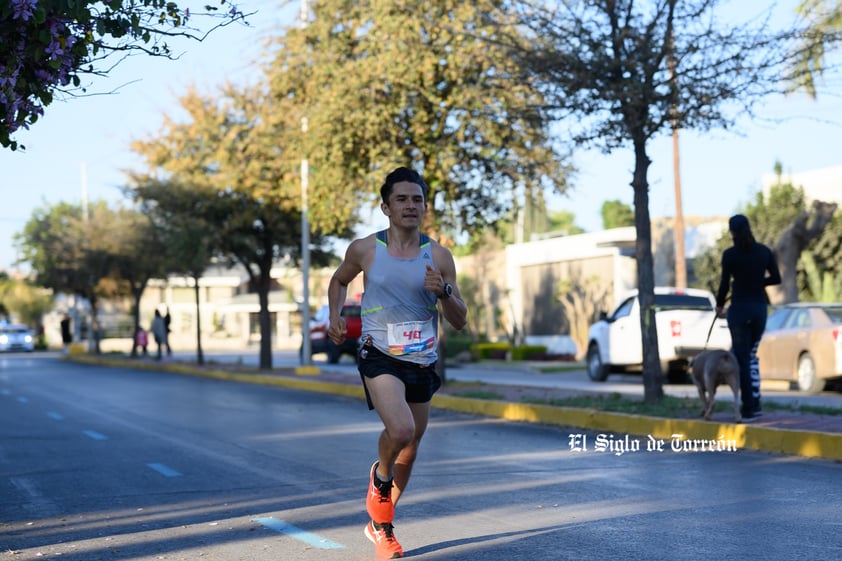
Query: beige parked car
(803, 344)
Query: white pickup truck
(684, 318)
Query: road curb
(704, 434)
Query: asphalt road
(99, 463)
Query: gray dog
(711, 368)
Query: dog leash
(710, 329)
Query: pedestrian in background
(66, 333)
(159, 333)
(167, 321)
(409, 279)
(748, 267)
(142, 340)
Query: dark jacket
(748, 268)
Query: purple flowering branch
(34, 65)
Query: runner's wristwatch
(448, 291)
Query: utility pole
(680, 252)
(678, 226)
(77, 328)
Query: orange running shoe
(378, 502)
(383, 538)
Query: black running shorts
(421, 381)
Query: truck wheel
(675, 372)
(597, 370)
(808, 380)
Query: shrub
(456, 344)
(529, 352)
(496, 351)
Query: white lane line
(94, 434)
(37, 503)
(54, 415)
(164, 470)
(288, 529)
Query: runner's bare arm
(337, 290)
(453, 308)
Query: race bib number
(411, 337)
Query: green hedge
(529, 352)
(458, 343)
(485, 351)
(500, 350)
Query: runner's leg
(406, 457)
(388, 395)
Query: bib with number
(411, 337)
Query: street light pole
(306, 348)
(306, 355)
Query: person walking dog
(748, 267)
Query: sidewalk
(526, 378)
(789, 433)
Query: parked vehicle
(686, 323)
(320, 343)
(16, 337)
(803, 344)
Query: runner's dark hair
(399, 175)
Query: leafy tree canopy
(616, 214)
(71, 249)
(418, 83)
(563, 221)
(23, 302)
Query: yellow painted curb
(702, 434)
(307, 371)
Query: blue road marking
(54, 415)
(95, 435)
(288, 529)
(166, 471)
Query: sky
(80, 148)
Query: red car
(319, 342)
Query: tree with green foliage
(794, 240)
(49, 45)
(819, 286)
(616, 214)
(415, 83)
(822, 265)
(141, 255)
(72, 249)
(221, 160)
(563, 221)
(619, 73)
(24, 302)
(178, 226)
